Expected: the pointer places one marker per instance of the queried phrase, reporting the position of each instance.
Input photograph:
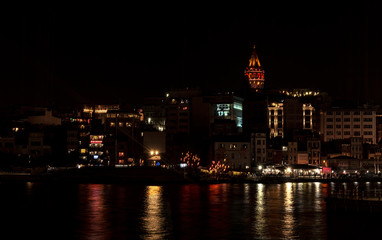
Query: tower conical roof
(254, 60)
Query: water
(215, 211)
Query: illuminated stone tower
(254, 73)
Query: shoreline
(155, 176)
(159, 180)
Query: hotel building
(346, 123)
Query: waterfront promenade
(158, 175)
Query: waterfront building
(356, 147)
(342, 123)
(78, 129)
(344, 164)
(302, 157)
(36, 146)
(233, 151)
(292, 153)
(259, 149)
(124, 137)
(314, 151)
(154, 111)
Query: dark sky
(108, 53)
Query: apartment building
(346, 123)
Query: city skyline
(59, 55)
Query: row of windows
(258, 142)
(232, 146)
(348, 113)
(330, 126)
(258, 150)
(356, 133)
(348, 119)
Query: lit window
(121, 154)
(238, 106)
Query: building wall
(356, 147)
(292, 153)
(343, 124)
(288, 115)
(302, 158)
(276, 119)
(7, 144)
(46, 119)
(307, 116)
(235, 154)
(259, 148)
(314, 151)
(228, 108)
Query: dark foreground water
(216, 211)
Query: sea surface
(41, 210)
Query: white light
(151, 152)
(288, 170)
(156, 152)
(260, 167)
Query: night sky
(65, 54)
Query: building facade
(314, 151)
(233, 152)
(346, 123)
(259, 149)
(276, 119)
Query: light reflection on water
(153, 218)
(260, 220)
(206, 211)
(288, 219)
